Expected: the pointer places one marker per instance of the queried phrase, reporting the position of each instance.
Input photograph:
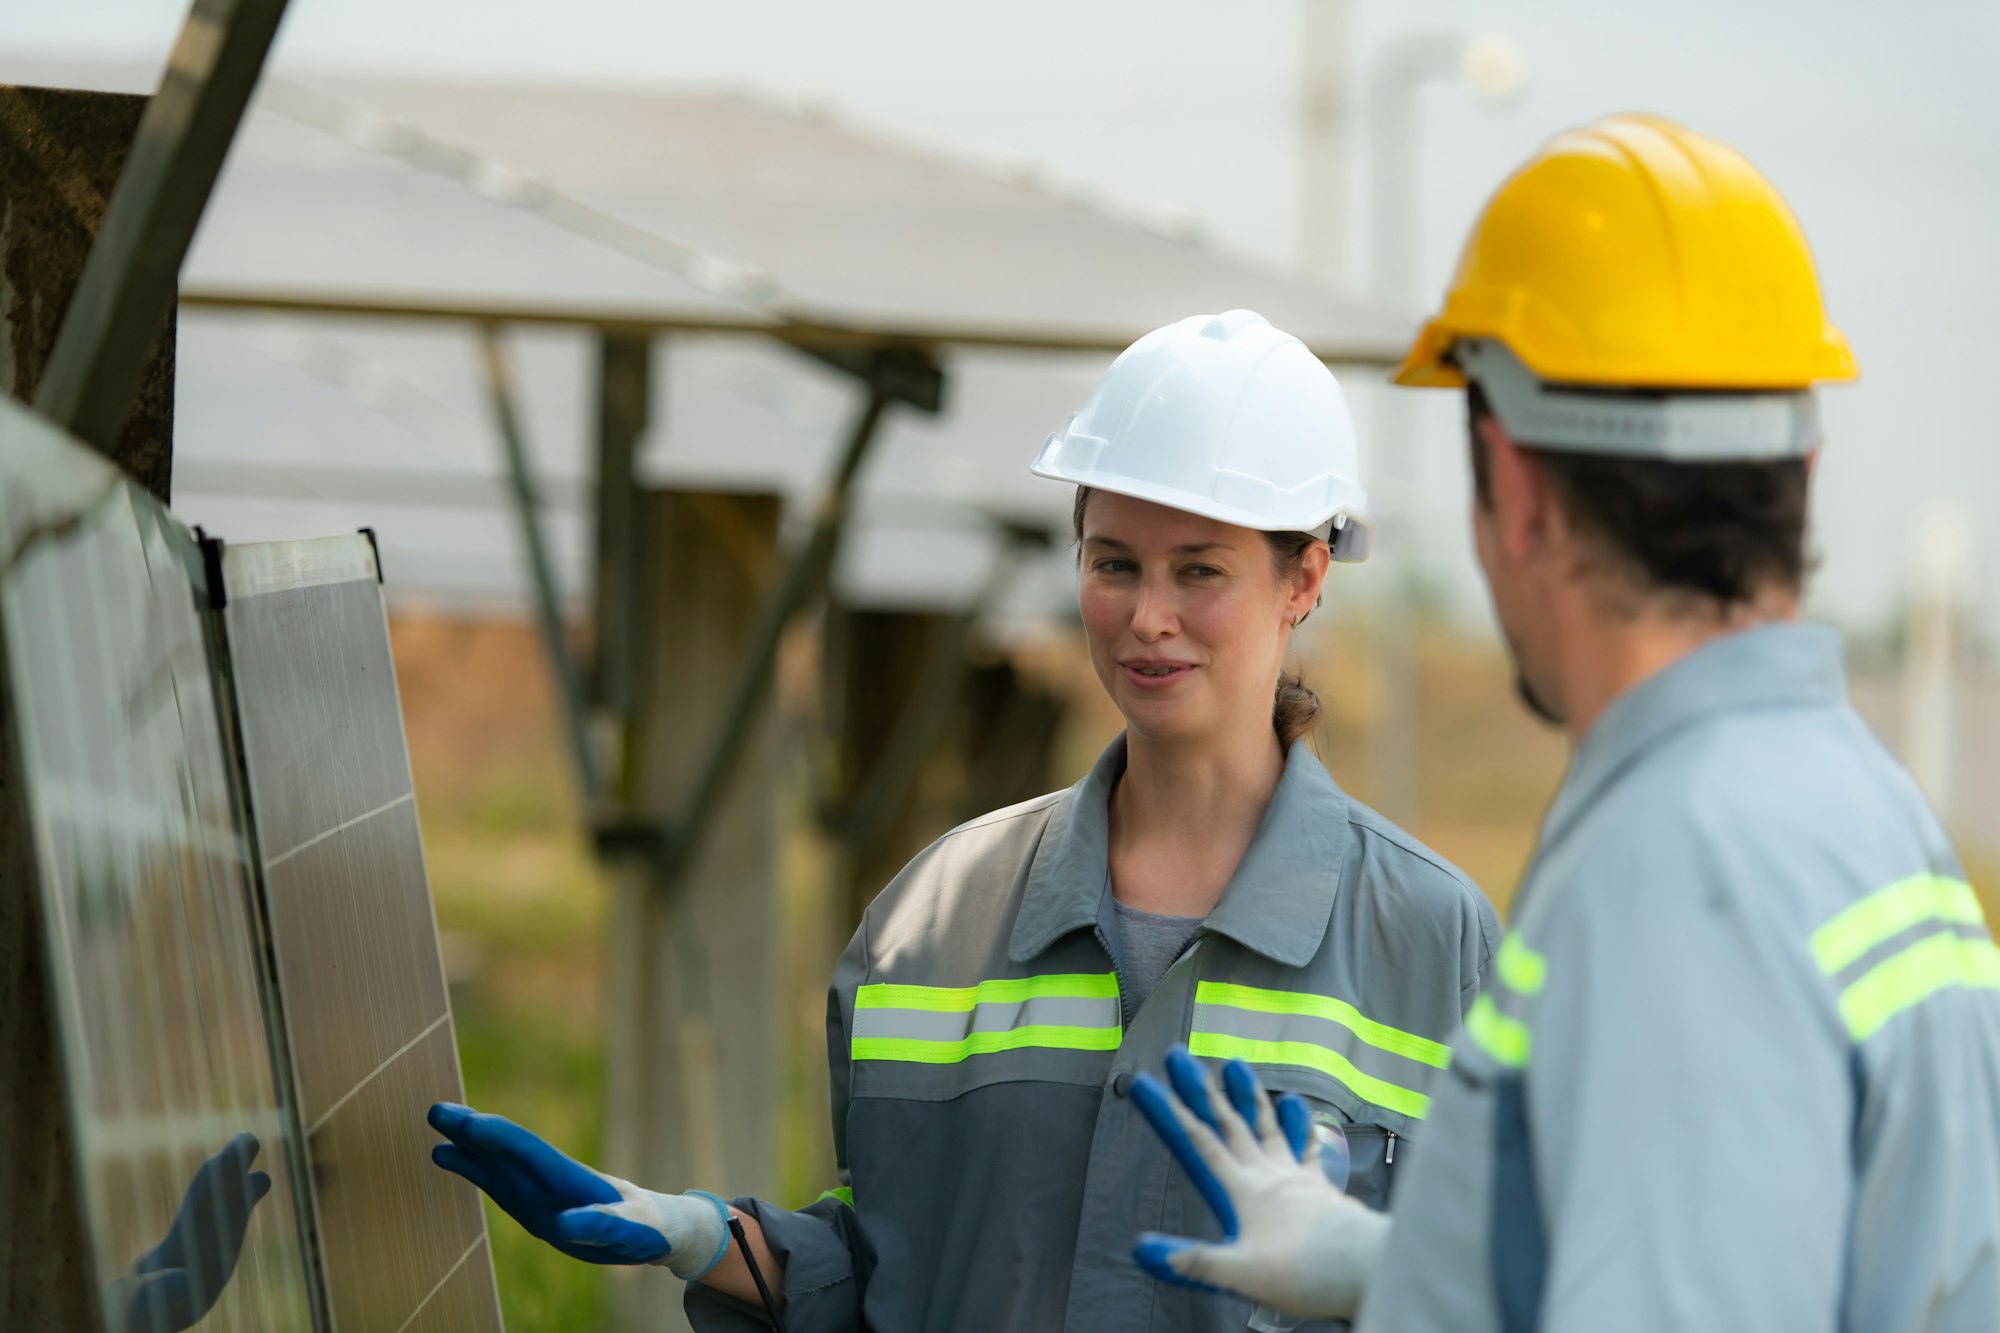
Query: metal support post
(548, 605)
(891, 374)
(128, 282)
(804, 576)
(624, 402)
(694, 978)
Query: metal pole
(1933, 649)
(1393, 742)
(128, 282)
(624, 401)
(1492, 69)
(1365, 348)
(805, 574)
(548, 606)
(1323, 216)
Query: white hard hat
(1223, 416)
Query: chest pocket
(1374, 1154)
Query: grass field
(521, 906)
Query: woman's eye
(1115, 566)
(1204, 571)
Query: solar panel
(141, 865)
(353, 934)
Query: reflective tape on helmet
(1903, 944)
(1678, 427)
(948, 1024)
(1378, 1063)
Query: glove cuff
(701, 1232)
(1343, 1248)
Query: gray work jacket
(1739, 1064)
(995, 1171)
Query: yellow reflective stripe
(1913, 975)
(1506, 1039)
(1379, 1035)
(1520, 968)
(1888, 912)
(844, 1193)
(1309, 1055)
(1004, 990)
(919, 1051)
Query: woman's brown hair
(1295, 709)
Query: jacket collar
(1278, 902)
(1773, 665)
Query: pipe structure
(499, 381)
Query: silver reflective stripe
(938, 1025)
(1693, 426)
(1232, 1022)
(1376, 1062)
(932, 1025)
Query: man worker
(1739, 1063)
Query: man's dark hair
(1723, 530)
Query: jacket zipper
(1104, 943)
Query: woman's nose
(1154, 615)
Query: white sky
(1880, 122)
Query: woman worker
(1206, 882)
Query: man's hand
(1292, 1240)
(584, 1213)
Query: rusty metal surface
(60, 155)
(131, 273)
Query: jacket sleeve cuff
(820, 1248)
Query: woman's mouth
(1155, 675)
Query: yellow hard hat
(1637, 253)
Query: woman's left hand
(1291, 1240)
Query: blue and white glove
(176, 1283)
(584, 1213)
(1292, 1240)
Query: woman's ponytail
(1296, 709)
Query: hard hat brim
(1349, 542)
(1425, 366)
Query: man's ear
(1520, 510)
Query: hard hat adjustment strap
(1687, 427)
